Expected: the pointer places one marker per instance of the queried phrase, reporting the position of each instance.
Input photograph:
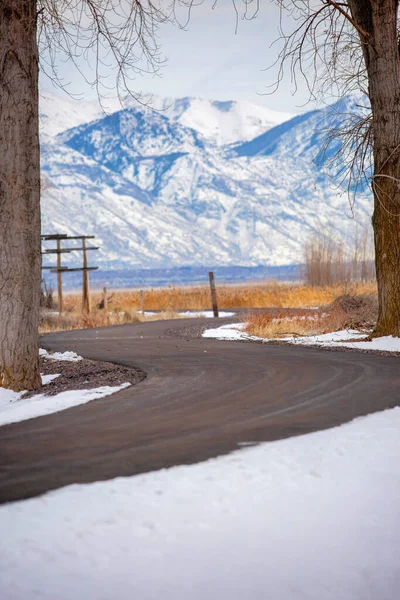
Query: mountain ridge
(158, 193)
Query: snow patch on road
(314, 516)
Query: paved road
(201, 398)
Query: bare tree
(354, 42)
(354, 45)
(328, 260)
(19, 196)
(376, 23)
(110, 34)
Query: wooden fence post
(213, 294)
(85, 281)
(142, 302)
(105, 299)
(86, 303)
(59, 278)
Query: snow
(343, 337)
(156, 192)
(48, 378)
(60, 113)
(387, 343)
(314, 517)
(208, 314)
(346, 338)
(68, 356)
(15, 408)
(221, 122)
(228, 332)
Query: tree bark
(20, 258)
(381, 56)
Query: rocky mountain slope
(161, 188)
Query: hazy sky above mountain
(208, 59)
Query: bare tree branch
(356, 26)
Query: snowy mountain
(218, 122)
(306, 134)
(221, 122)
(58, 114)
(157, 192)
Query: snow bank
(334, 338)
(48, 378)
(69, 356)
(14, 408)
(206, 313)
(228, 332)
(199, 313)
(314, 517)
(344, 338)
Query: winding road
(201, 398)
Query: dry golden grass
(260, 295)
(345, 312)
(52, 321)
(124, 306)
(267, 326)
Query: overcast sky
(208, 59)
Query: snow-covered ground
(345, 338)
(206, 313)
(229, 332)
(14, 408)
(195, 313)
(69, 356)
(315, 517)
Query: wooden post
(59, 278)
(142, 302)
(105, 299)
(85, 281)
(86, 301)
(213, 294)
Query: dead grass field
(265, 326)
(347, 311)
(74, 319)
(124, 306)
(263, 295)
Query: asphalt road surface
(201, 398)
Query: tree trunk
(386, 222)
(381, 55)
(20, 259)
